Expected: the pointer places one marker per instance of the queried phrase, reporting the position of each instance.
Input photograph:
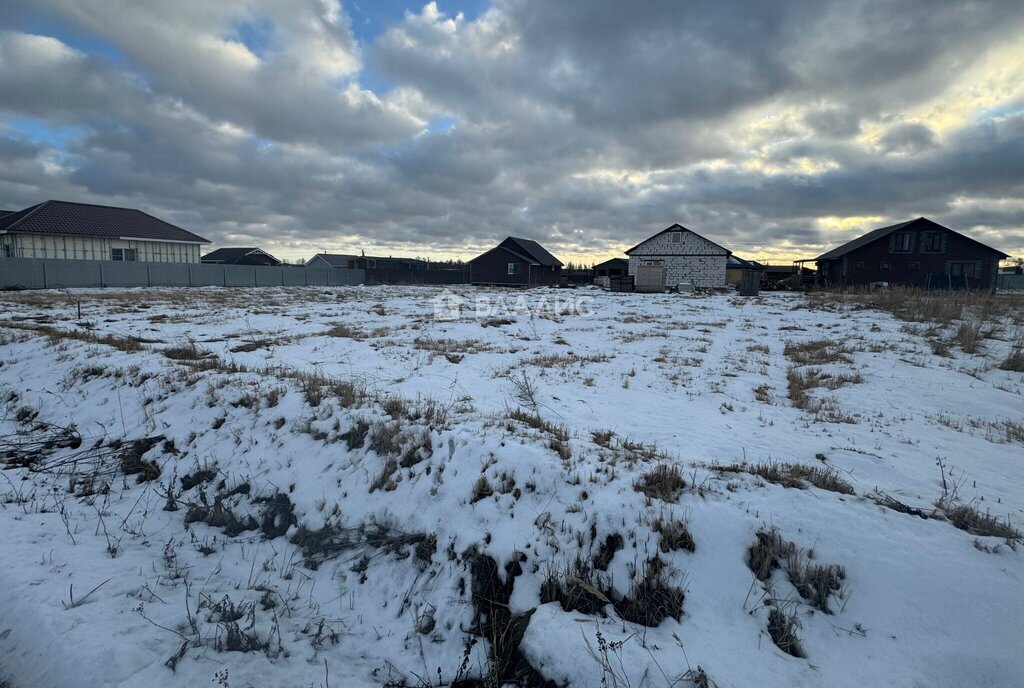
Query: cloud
(908, 137)
(587, 127)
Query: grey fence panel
(269, 277)
(1010, 282)
(33, 273)
(239, 276)
(294, 277)
(21, 273)
(168, 275)
(342, 277)
(207, 275)
(61, 274)
(124, 274)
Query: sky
(435, 130)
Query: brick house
(918, 253)
(683, 255)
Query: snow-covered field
(313, 487)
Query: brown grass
(675, 535)
(782, 628)
(663, 482)
(817, 352)
(1014, 360)
(796, 475)
(969, 518)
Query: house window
(962, 270)
(677, 237)
(8, 251)
(932, 242)
(914, 265)
(125, 254)
(901, 243)
(858, 265)
(513, 268)
(884, 265)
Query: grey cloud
(587, 126)
(909, 137)
(834, 122)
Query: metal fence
(1014, 282)
(35, 273)
(416, 276)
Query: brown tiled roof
(65, 218)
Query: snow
(923, 603)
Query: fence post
(224, 272)
(101, 276)
(44, 276)
(190, 275)
(149, 275)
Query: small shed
(735, 266)
(612, 268)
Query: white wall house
(61, 230)
(685, 256)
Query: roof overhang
(157, 241)
(521, 257)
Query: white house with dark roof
(328, 261)
(83, 231)
(683, 256)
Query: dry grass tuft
(969, 336)
(1014, 360)
(663, 482)
(652, 598)
(967, 517)
(782, 628)
(817, 352)
(186, 352)
(816, 583)
(793, 475)
(675, 535)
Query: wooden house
(516, 262)
(917, 253)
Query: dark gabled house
(612, 268)
(84, 231)
(917, 253)
(516, 262)
(386, 263)
(240, 256)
